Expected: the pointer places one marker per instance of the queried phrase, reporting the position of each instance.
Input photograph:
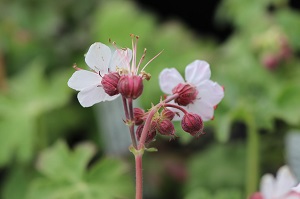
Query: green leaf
(30, 95)
(288, 104)
(219, 166)
(66, 175)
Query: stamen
(141, 60)
(134, 50)
(151, 60)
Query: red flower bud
(270, 61)
(150, 136)
(138, 115)
(131, 86)
(167, 114)
(193, 124)
(110, 83)
(187, 94)
(166, 127)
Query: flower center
(187, 94)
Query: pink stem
(139, 176)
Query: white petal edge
(168, 79)
(82, 79)
(297, 188)
(285, 181)
(98, 57)
(267, 185)
(197, 72)
(92, 95)
(210, 92)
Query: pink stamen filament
(151, 60)
(141, 60)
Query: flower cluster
(116, 72)
(284, 186)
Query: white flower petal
(210, 92)
(82, 79)
(201, 108)
(168, 79)
(121, 58)
(98, 57)
(285, 181)
(92, 95)
(267, 186)
(297, 188)
(197, 72)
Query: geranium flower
(281, 187)
(199, 94)
(101, 60)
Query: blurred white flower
(205, 94)
(281, 187)
(100, 60)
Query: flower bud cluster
(161, 123)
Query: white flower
(279, 187)
(197, 75)
(101, 61)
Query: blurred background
(52, 148)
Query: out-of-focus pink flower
(198, 94)
(101, 60)
(281, 187)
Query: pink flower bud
(150, 136)
(138, 115)
(167, 114)
(187, 94)
(110, 83)
(193, 124)
(131, 86)
(166, 127)
(270, 61)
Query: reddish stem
(139, 176)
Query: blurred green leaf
(219, 166)
(66, 175)
(17, 182)
(288, 104)
(201, 193)
(30, 95)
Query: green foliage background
(49, 144)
